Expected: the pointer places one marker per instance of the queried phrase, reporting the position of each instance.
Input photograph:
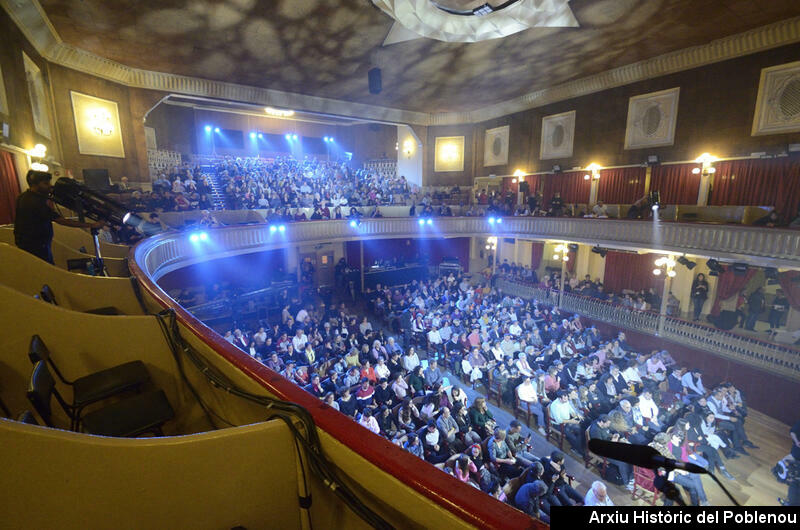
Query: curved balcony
(772, 247)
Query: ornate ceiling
(325, 47)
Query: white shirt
(410, 362)
(434, 337)
(301, 315)
(514, 329)
(299, 343)
(649, 409)
(527, 392)
(592, 500)
(688, 382)
(382, 371)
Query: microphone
(640, 455)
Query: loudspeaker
(96, 179)
(375, 85)
(524, 187)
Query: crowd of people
(399, 379)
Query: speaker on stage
(96, 179)
(375, 84)
(725, 320)
(524, 187)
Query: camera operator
(33, 228)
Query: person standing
(33, 224)
(779, 308)
(755, 304)
(699, 294)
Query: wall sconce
(491, 243)
(408, 148)
(100, 122)
(706, 160)
(562, 252)
(594, 169)
(278, 113)
(665, 264)
(37, 154)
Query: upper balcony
(772, 247)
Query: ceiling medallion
(465, 22)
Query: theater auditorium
(397, 264)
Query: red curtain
(573, 187)
(790, 283)
(730, 284)
(537, 250)
(9, 188)
(758, 182)
(676, 183)
(628, 271)
(623, 185)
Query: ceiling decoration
(314, 55)
(464, 23)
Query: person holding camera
(33, 224)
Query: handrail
(468, 503)
(778, 359)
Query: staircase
(217, 196)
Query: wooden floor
(754, 485)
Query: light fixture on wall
(562, 253)
(594, 171)
(408, 147)
(706, 162)
(101, 122)
(666, 265)
(37, 154)
(279, 113)
(491, 243)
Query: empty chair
(47, 295)
(96, 386)
(145, 412)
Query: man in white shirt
(301, 315)
(514, 329)
(649, 410)
(435, 341)
(600, 210)
(563, 413)
(597, 495)
(527, 394)
(299, 341)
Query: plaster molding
(33, 22)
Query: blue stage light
(260, 136)
(430, 221)
(203, 236)
(252, 136)
(216, 129)
(353, 223)
(421, 222)
(273, 229)
(194, 238)
(330, 139)
(499, 220)
(287, 136)
(491, 220)
(282, 228)
(208, 128)
(294, 137)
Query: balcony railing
(781, 360)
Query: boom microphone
(640, 455)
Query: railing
(773, 247)
(782, 360)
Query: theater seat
(47, 295)
(139, 414)
(96, 386)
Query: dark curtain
(623, 185)
(628, 271)
(537, 251)
(758, 182)
(573, 187)
(790, 283)
(9, 188)
(729, 284)
(676, 183)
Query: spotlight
(353, 223)
(252, 136)
(599, 250)
(203, 236)
(657, 272)
(216, 129)
(260, 136)
(282, 228)
(330, 139)
(287, 136)
(573, 247)
(208, 128)
(273, 229)
(294, 137)
(194, 238)
(430, 221)
(714, 267)
(421, 222)
(491, 220)
(655, 199)
(326, 139)
(740, 269)
(499, 220)
(654, 207)
(686, 263)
